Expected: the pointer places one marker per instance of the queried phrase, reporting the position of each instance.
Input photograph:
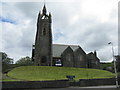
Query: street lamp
(116, 78)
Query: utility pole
(115, 69)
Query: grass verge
(39, 73)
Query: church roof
(91, 56)
(58, 49)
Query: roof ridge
(66, 44)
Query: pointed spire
(50, 17)
(44, 10)
(95, 53)
(49, 14)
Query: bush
(26, 61)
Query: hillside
(36, 73)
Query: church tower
(43, 41)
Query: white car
(58, 63)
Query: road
(87, 88)
(78, 88)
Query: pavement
(78, 88)
(87, 88)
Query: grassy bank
(36, 73)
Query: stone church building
(44, 53)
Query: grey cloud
(98, 35)
(27, 38)
(29, 8)
(87, 31)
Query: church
(45, 53)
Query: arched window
(68, 57)
(80, 57)
(96, 62)
(44, 31)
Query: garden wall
(95, 82)
(34, 84)
(56, 83)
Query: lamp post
(116, 78)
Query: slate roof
(58, 49)
(91, 56)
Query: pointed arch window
(68, 57)
(80, 57)
(44, 32)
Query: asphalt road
(87, 88)
(78, 88)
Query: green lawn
(39, 73)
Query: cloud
(84, 23)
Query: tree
(6, 61)
(107, 66)
(26, 61)
(5, 58)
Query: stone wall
(34, 84)
(56, 83)
(95, 82)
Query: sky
(92, 24)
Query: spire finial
(44, 10)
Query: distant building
(93, 60)
(44, 53)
